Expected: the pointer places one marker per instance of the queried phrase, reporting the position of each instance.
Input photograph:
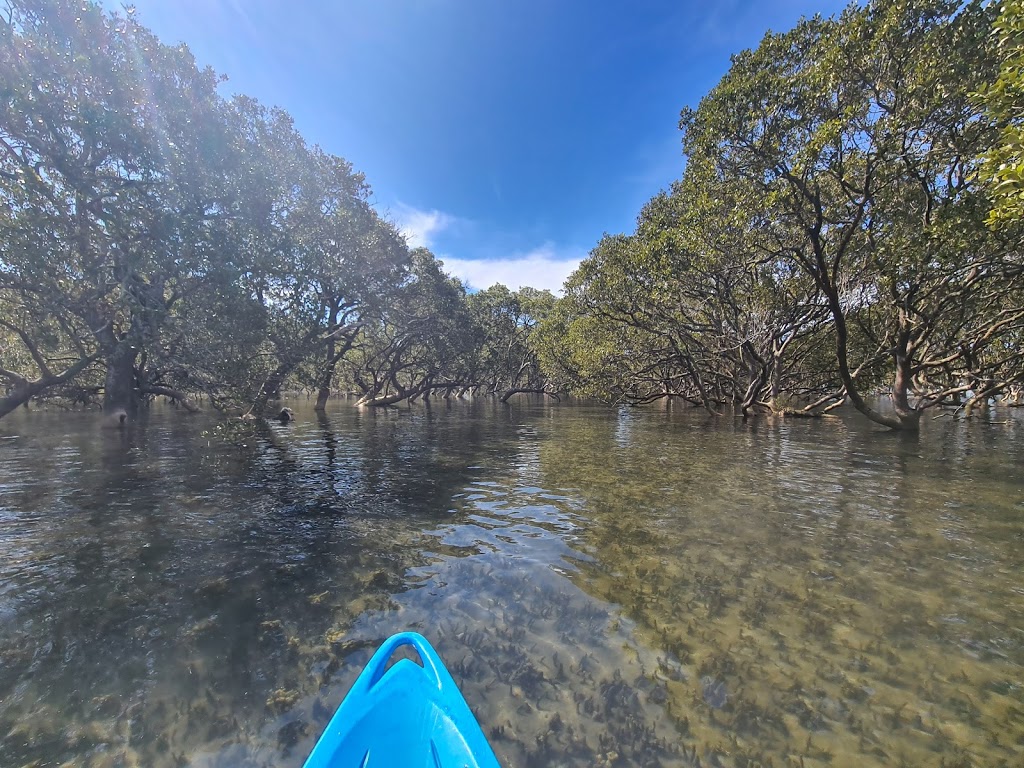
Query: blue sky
(505, 135)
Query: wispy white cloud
(546, 266)
(543, 267)
(420, 227)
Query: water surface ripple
(609, 588)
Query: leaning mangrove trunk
(179, 397)
(271, 389)
(509, 393)
(906, 418)
(25, 389)
(20, 394)
(383, 400)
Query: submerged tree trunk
(120, 388)
(324, 389)
(335, 353)
(323, 395)
(759, 372)
(334, 356)
(120, 392)
(910, 417)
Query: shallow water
(617, 588)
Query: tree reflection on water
(633, 588)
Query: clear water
(609, 588)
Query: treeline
(848, 223)
(157, 239)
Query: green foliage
(878, 173)
(193, 245)
(827, 239)
(832, 198)
(419, 341)
(111, 147)
(507, 357)
(1004, 99)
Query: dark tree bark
(174, 394)
(526, 391)
(121, 392)
(271, 388)
(323, 393)
(24, 389)
(334, 355)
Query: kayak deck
(403, 715)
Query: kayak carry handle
(378, 663)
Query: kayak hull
(403, 715)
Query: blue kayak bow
(405, 716)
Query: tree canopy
(1004, 99)
(847, 223)
(834, 198)
(157, 238)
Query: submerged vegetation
(847, 224)
(731, 594)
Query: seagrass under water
(618, 588)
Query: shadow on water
(631, 588)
